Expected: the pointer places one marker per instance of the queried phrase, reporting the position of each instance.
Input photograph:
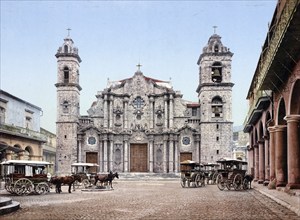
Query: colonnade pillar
(256, 163)
(293, 151)
(267, 161)
(261, 165)
(272, 153)
(280, 155)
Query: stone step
(148, 176)
(8, 206)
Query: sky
(165, 37)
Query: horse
(66, 180)
(106, 178)
(249, 179)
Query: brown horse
(66, 180)
(106, 178)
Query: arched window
(66, 75)
(65, 107)
(27, 153)
(216, 48)
(217, 107)
(66, 48)
(216, 72)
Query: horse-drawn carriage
(191, 172)
(23, 177)
(211, 172)
(232, 175)
(85, 170)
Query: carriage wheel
(23, 186)
(77, 185)
(214, 178)
(85, 183)
(246, 184)
(197, 182)
(202, 180)
(237, 181)
(9, 186)
(220, 182)
(42, 188)
(189, 183)
(183, 182)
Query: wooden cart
(23, 177)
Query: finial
(69, 29)
(139, 67)
(215, 28)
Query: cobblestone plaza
(150, 200)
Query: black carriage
(211, 172)
(87, 171)
(192, 174)
(23, 177)
(232, 174)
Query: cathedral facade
(141, 124)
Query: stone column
(176, 153)
(280, 155)
(79, 153)
(272, 153)
(126, 153)
(197, 144)
(261, 158)
(105, 112)
(267, 165)
(166, 111)
(250, 160)
(151, 99)
(111, 114)
(125, 112)
(151, 156)
(171, 115)
(111, 152)
(165, 154)
(293, 139)
(256, 163)
(105, 155)
(21, 155)
(100, 155)
(171, 154)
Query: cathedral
(141, 124)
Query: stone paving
(150, 200)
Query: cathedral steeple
(215, 97)
(68, 105)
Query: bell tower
(68, 100)
(215, 98)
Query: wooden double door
(92, 157)
(138, 158)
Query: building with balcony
(273, 120)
